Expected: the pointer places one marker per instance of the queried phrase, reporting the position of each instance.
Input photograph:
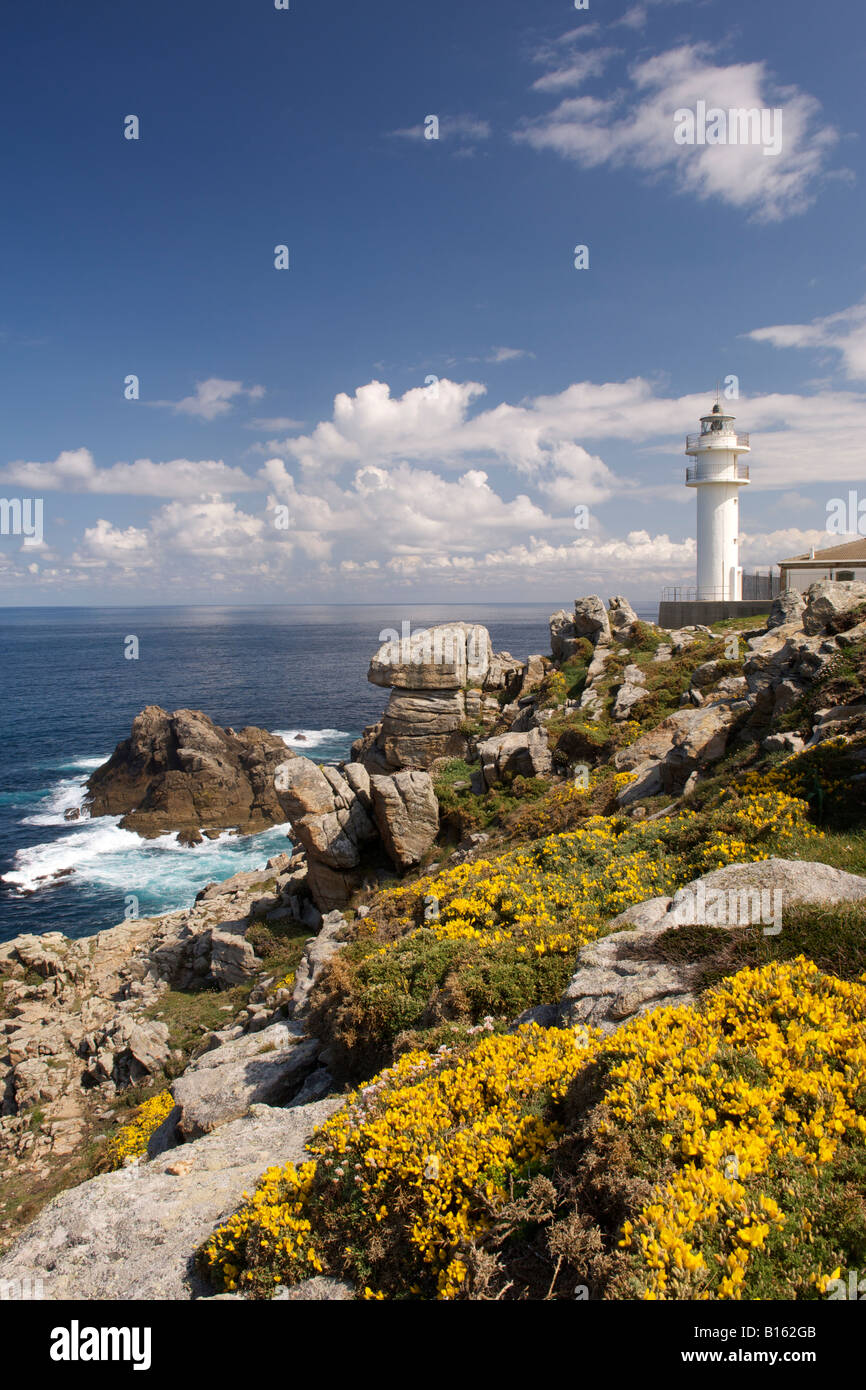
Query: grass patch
(833, 936)
(463, 811)
(188, 1014)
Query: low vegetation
(713, 1151)
(508, 929)
(131, 1140)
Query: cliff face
(182, 772)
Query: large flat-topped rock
(621, 974)
(446, 657)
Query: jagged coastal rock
(80, 1020)
(351, 824)
(181, 772)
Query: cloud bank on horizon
(421, 487)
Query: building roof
(850, 550)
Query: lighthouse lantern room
(718, 475)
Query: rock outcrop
(345, 819)
(515, 755)
(132, 1234)
(563, 639)
(81, 1018)
(591, 620)
(687, 741)
(84, 1020)
(442, 682)
(446, 657)
(407, 814)
(621, 974)
(631, 692)
(181, 772)
(326, 812)
(828, 601)
(620, 615)
(266, 1067)
(421, 726)
(787, 608)
(318, 951)
(591, 698)
(782, 662)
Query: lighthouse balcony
(716, 439)
(708, 472)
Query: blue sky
(410, 259)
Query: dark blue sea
(68, 695)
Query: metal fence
(724, 440)
(755, 586)
(762, 585)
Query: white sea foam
(78, 850)
(312, 738)
(67, 795)
(162, 871)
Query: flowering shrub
(270, 1232)
(132, 1139)
(509, 929)
(755, 811)
(767, 1077)
(735, 1106)
(822, 776)
(408, 1173)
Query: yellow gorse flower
(489, 1118)
(132, 1139)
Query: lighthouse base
(674, 613)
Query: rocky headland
(501, 863)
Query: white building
(717, 475)
(842, 563)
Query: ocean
(68, 695)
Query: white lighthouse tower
(718, 475)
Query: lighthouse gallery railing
(705, 471)
(718, 438)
